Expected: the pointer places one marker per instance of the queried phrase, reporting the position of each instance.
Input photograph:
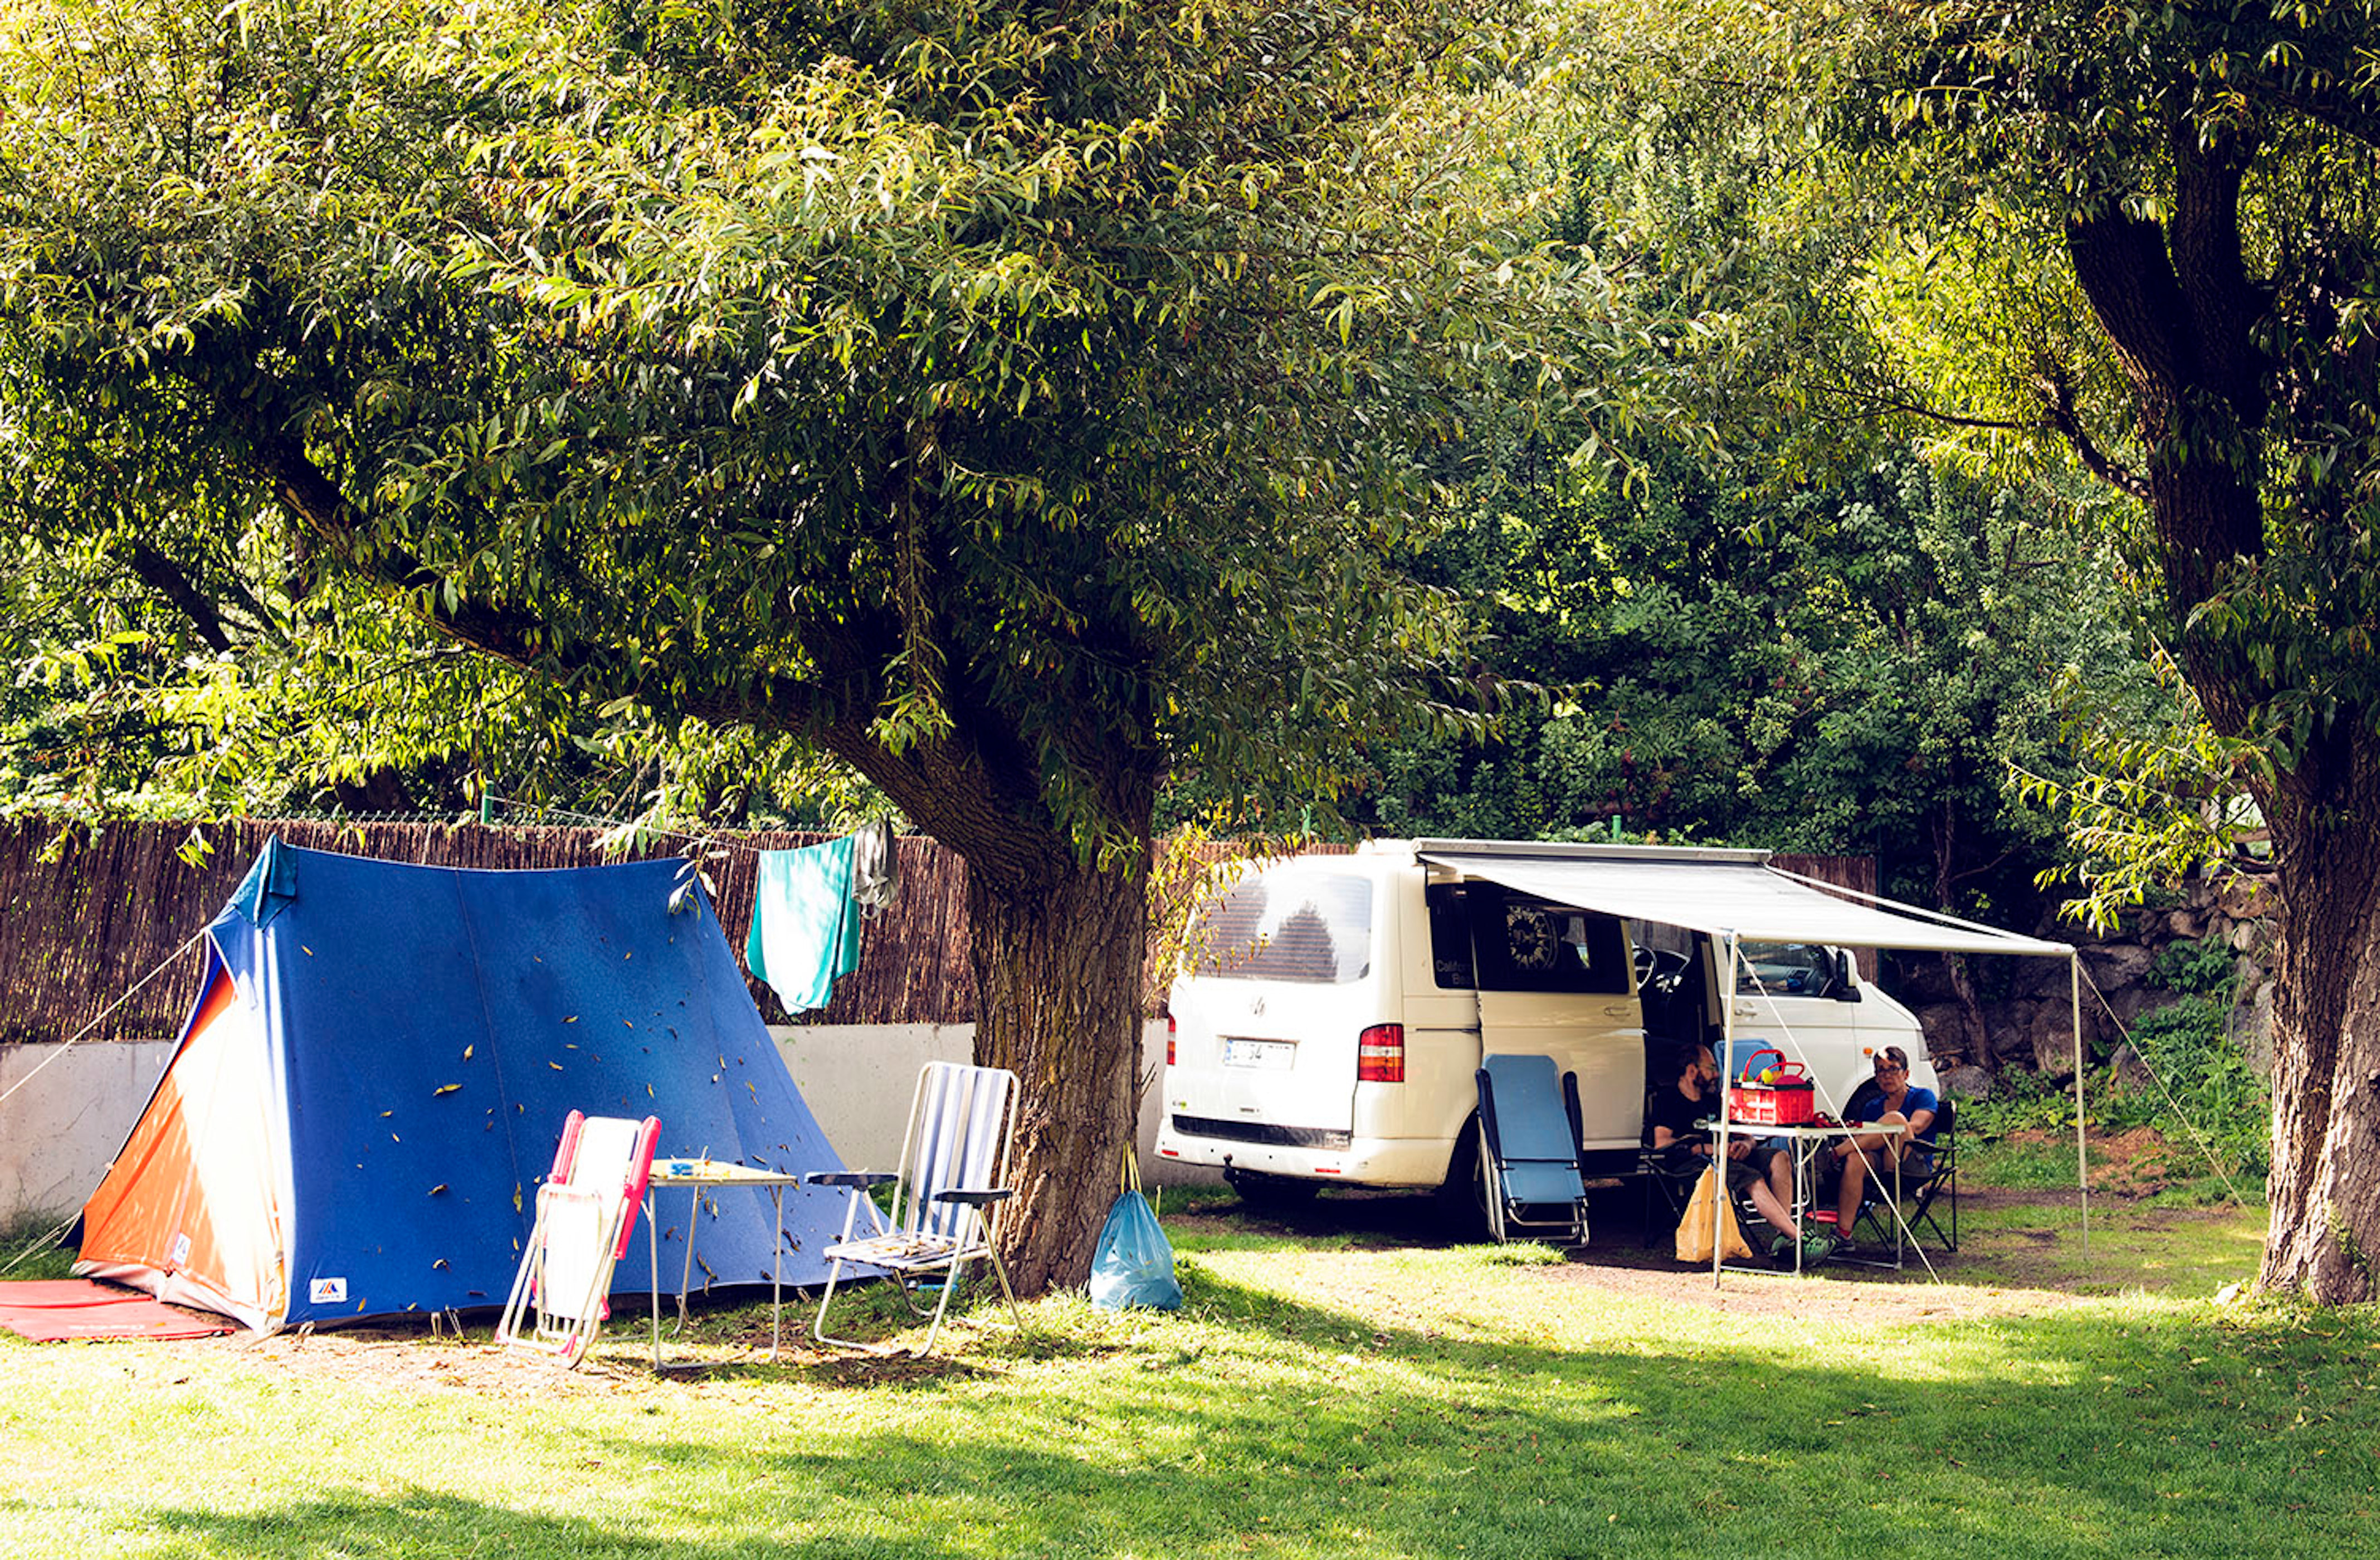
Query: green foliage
(30, 1249)
(2212, 1107)
(1022, 396)
(2158, 798)
(2019, 1102)
(2204, 967)
(1857, 668)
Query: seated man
(1760, 1171)
(1886, 1100)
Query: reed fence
(87, 914)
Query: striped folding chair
(946, 1196)
(585, 1210)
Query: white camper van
(1335, 1008)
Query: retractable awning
(1720, 892)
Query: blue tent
(375, 1077)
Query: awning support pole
(2082, 1145)
(1726, 1065)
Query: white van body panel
(1263, 1071)
(1835, 1039)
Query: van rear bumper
(1309, 1153)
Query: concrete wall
(859, 1078)
(59, 1132)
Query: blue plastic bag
(1133, 1264)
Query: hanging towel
(875, 871)
(805, 923)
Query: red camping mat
(55, 1310)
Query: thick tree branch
(163, 576)
(2058, 407)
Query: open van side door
(1554, 980)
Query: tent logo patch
(179, 1253)
(328, 1291)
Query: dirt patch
(410, 1357)
(2133, 1163)
(1833, 1300)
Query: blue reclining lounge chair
(1528, 1140)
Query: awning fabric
(1743, 896)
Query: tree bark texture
(2177, 301)
(2324, 1241)
(1058, 978)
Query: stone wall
(2024, 1004)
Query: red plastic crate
(1782, 1104)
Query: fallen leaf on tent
(435, 1191)
(516, 1204)
(385, 1114)
(466, 1053)
(556, 1066)
(307, 951)
(445, 1088)
(439, 1263)
(572, 1019)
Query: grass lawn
(1331, 1390)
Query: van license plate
(1280, 1054)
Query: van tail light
(1381, 1055)
(1171, 1026)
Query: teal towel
(805, 923)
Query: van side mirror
(1846, 978)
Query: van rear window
(1316, 930)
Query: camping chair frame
(1669, 1178)
(1517, 1155)
(946, 1196)
(587, 1209)
(1876, 1212)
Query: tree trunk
(2325, 1238)
(1058, 997)
(1962, 982)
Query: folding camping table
(696, 1176)
(1802, 1143)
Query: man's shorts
(1743, 1173)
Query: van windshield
(1787, 970)
(1317, 930)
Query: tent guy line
(83, 1033)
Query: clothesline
(807, 904)
(713, 841)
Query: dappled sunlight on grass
(1313, 1399)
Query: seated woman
(1886, 1100)
(1756, 1170)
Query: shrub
(2019, 1102)
(2201, 969)
(2205, 1079)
